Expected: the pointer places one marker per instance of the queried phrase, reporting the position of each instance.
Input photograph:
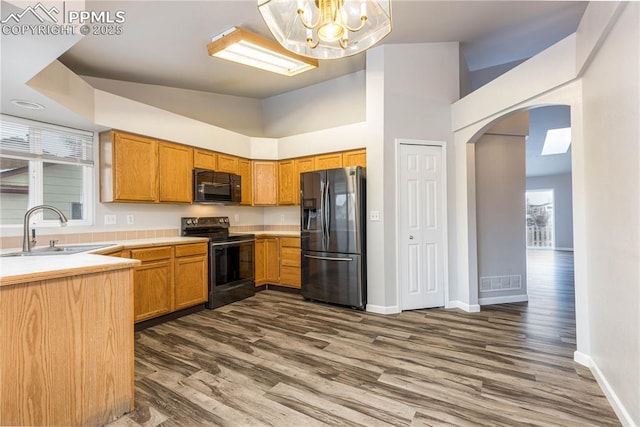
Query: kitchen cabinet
(67, 348)
(190, 267)
(354, 158)
(175, 169)
(328, 161)
(265, 183)
(303, 164)
(286, 183)
(267, 260)
(128, 168)
(152, 282)
(290, 273)
(246, 175)
(205, 159)
(227, 163)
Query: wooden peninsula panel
(67, 350)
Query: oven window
(233, 263)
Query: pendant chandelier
(327, 29)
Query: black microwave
(216, 187)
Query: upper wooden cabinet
(286, 182)
(265, 183)
(303, 164)
(128, 168)
(354, 158)
(205, 159)
(135, 168)
(175, 164)
(227, 163)
(328, 161)
(246, 175)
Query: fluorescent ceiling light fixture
(557, 141)
(250, 49)
(327, 29)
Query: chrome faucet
(28, 244)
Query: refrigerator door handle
(327, 212)
(326, 258)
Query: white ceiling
(164, 42)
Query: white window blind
(29, 140)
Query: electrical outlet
(129, 219)
(374, 215)
(282, 219)
(236, 217)
(110, 220)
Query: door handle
(410, 237)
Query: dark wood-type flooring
(275, 359)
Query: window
(44, 164)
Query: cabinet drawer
(191, 249)
(151, 254)
(290, 276)
(293, 242)
(290, 257)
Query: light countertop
(23, 269)
(273, 233)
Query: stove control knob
(226, 220)
(220, 220)
(194, 221)
(188, 222)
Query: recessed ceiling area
(165, 42)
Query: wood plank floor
(275, 359)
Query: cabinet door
(265, 183)
(328, 161)
(227, 163)
(286, 183)
(244, 170)
(304, 164)
(135, 168)
(273, 260)
(260, 262)
(152, 289)
(290, 274)
(191, 286)
(204, 159)
(176, 165)
(354, 158)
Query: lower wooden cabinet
(267, 261)
(152, 282)
(169, 279)
(290, 273)
(277, 261)
(190, 268)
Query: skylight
(557, 141)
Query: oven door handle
(235, 242)
(326, 258)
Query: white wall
(330, 104)
(421, 81)
(500, 213)
(563, 205)
(239, 114)
(611, 102)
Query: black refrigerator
(333, 236)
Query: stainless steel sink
(58, 250)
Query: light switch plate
(374, 215)
(109, 220)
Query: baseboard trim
(469, 308)
(380, 309)
(503, 300)
(582, 359)
(623, 415)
